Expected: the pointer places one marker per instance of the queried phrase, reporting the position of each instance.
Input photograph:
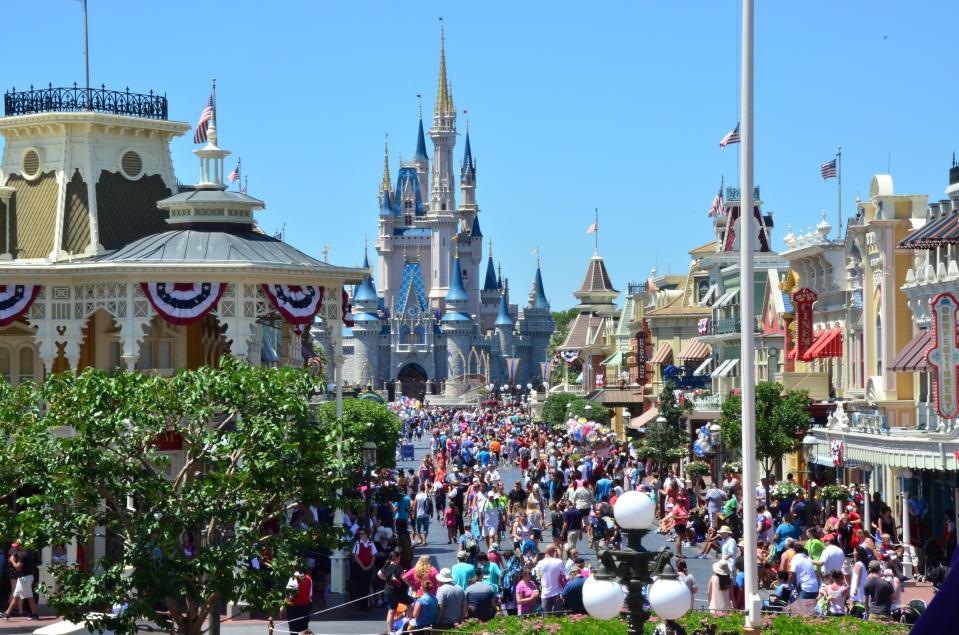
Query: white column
(747, 356)
(866, 514)
(906, 538)
(333, 323)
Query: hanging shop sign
(942, 357)
(803, 299)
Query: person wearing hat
(728, 548)
(719, 591)
(452, 601)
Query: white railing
(707, 402)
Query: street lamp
(634, 568)
(369, 453)
(716, 442)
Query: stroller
(935, 565)
(909, 613)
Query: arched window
(6, 366)
(405, 335)
(420, 335)
(27, 357)
(409, 219)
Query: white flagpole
(839, 179)
(86, 55)
(747, 320)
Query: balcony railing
(732, 194)
(78, 99)
(726, 326)
(707, 403)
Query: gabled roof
(411, 286)
(596, 279)
(677, 308)
(469, 165)
(365, 292)
(702, 250)
(408, 180)
(584, 330)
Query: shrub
(697, 468)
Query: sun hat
(721, 567)
(724, 530)
(445, 575)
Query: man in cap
(452, 601)
(573, 592)
(462, 570)
(728, 548)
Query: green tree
(781, 421)
(559, 406)
(671, 433)
(562, 321)
(253, 453)
(364, 419)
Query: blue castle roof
(421, 145)
(365, 292)
(490, 284)
(475, 231)
(457, 292)
(468, 164)
(540, 301)
(408, 178)
(386, 205)
(412, 279)
(503, 318)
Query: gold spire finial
(385, 185)
(443, 101)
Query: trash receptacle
(406, 451)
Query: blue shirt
(461, 572)
(428, 609)
(786, 530)
(603, 486)
(484, 457)
(403, 509)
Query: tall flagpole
(86, 55)
(839, 179)
(596, 237)
(747, 321)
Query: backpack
(511, 577)
(767, 524)
(429, 506)
(470, 546)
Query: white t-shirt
(420, 504)
(832, 559)
(802, 566)
(550, 570)
(761, 493)
(490, 514)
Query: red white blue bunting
(347, 310)
(297, 304)
(15, 301)
(569, 356)
(183, 302)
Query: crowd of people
(517, 544)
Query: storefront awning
(829, 344)
(640, 422)
(727, 297)
(725, 368)
(694, 350)
(619, 396)
(663, 355)
(938, 231)
(616, 359)
(703, 368)
(913, 356)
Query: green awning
(616, 359)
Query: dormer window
(407, 204)
(409, 219)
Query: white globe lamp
(603, 598)
(634, 510)
(669, 598)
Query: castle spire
(444, 102)
(502, 317)
(539, 298)
(385, 185)
(421, 142)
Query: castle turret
(535, 327)
(367, 328)
(489, 295)
(457, 325)
(421, 159)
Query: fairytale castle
(429, 319)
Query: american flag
(828, 169)
(717, 208)
(731, 137)
(199, 135)
(235, 174)
(592, 228)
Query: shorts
(680, 530)
(491, 530)
(423, 524)
(24, 588)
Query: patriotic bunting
(15, 301)
(297, 304)
(347, 310)
(183, 302)
(569, 356)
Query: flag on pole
(731, 137)
(246, 181)
(235, 174)
(199, 135)
(828, 170)
(717, 208)
(592, 228)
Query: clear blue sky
(572, 107)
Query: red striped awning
(695, 349)
(663, 355)
(913, 356)
(829, 344)
(793, 354)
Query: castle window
(409, 219)
(420, 335)
(405, 335)
(31, 164)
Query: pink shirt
(524, 591)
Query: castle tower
(503, 332)
(421, 159)
(536, 327)
(457, 326)
(471, 241)
(489, 296)
(443, 214)
(79, 182)
(366, 332)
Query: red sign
(168, 441)
(803, 299)
(942, 357)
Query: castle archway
(412, 380)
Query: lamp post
(907, 562)
(809, 443)
(369, 452)
(716, 441)
(633, 568)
